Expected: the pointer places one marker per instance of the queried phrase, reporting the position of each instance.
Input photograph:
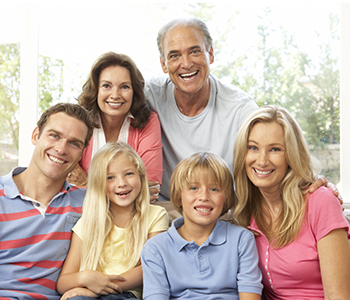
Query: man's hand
(322, 181)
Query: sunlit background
(285, 53)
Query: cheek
(99, 98)
(247, 161)
(130, 97)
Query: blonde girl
(117, 219)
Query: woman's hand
(78, 292)
(101, 284)
(154, 189)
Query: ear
(164, 66)
(35, 136)
(211, 54)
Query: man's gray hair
(185, 22)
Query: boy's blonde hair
(208, 166)
(97, 218)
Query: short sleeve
(325, 213)
(77, 228)
(158, 219)
(249, 276)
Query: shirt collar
(11, 189)
(217, 237)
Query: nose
(203, 195)
(186, 62)
(121, 181)
(61, 147)
(114, 92)
(263, 158)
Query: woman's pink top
(293, 272)
(146, 142)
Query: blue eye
(76, 145)
(110, 177)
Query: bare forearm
(133, 279)
(67, 282)
(97, 282)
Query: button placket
(267, 267)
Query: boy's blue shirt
(224, 265)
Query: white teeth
(189, 74)
(114, 104)
(55, 159)
(183, 76)
(263, 172)
(203, 209)
(122, 194)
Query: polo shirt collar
(217, 237)
(11, 190)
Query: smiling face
(202, 201)
(265, 161)
(186, 59)
(115, 92)
(59, 146)
(123, 183)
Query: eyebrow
(252, 141)
(189, 49)
(107, 81)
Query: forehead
(69, 126)
(181, 36)
(121, 161)
(115, 72)
(267, 131)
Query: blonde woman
(117, 219)
(302, 238)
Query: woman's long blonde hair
(294, 185)
(97, 220)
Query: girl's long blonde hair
(97, 220)
(294, 185)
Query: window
(280, 53)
